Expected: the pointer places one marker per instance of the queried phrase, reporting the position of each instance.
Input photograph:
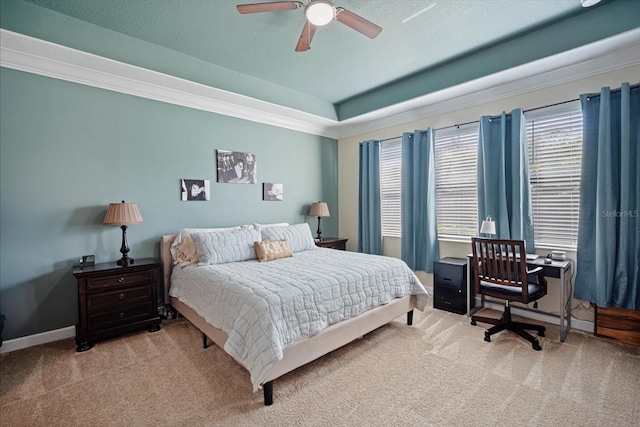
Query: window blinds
(555, 154)
(456, 194)
(390, 176)
(554, 137)
(456, 181)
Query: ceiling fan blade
(358, 23)
(269, 7)
(304, 43)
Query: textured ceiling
(417, 35)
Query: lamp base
(124, 249)
(125, 261)
(319, 231)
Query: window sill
(467, 239)
(456, 239)
(565, 248)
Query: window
(456, 194)
(456, 182)
(554, 137)
(390, 175)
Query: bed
(275, 316)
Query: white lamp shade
(319, 209)
(488, 226)
(320, 12)
(122, 214)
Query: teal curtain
(419, 243)
(608, 255)
(370, 211)
(503, 177)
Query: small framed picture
(88, 261)
(272, 192)
(236, 167)
(194, 189)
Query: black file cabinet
(450, 285)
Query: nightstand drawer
(113, 299)
(119, 280)
(450, 299)
(340, 245)
(450, 275)
(124, 316)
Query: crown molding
(32, 55)
(614, 53)
(36, 56)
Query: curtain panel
(419, 236)
(370, 211)
(504, 191)
(608, 255)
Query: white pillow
(183, 250)
(298, 235)
(219, 247)
(277, 224)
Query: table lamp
(488, 227)
(123, 214)
(319, 209)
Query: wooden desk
(558, 270)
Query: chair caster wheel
(487, 337)
(541, 334)
(473, 322)
(537, 347)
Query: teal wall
(68, 150)
(45, 24)
(607, 19)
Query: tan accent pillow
(268, 250)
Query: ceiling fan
(317, 13)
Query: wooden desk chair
(501, 272)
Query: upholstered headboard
(167, 262)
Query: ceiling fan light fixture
(320, 12)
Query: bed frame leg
(268, 393)
(205, 343)
(410, 317)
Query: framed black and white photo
(236, 167)
(194, 189)
(272, 192)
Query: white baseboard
(70, 331)
(37, 339)
(581, 325)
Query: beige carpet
(439, 372)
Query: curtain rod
(595, 95)
(477, 121)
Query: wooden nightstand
(333, 243)
(113, 300)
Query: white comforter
(265, 306)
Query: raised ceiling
(425, 45)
